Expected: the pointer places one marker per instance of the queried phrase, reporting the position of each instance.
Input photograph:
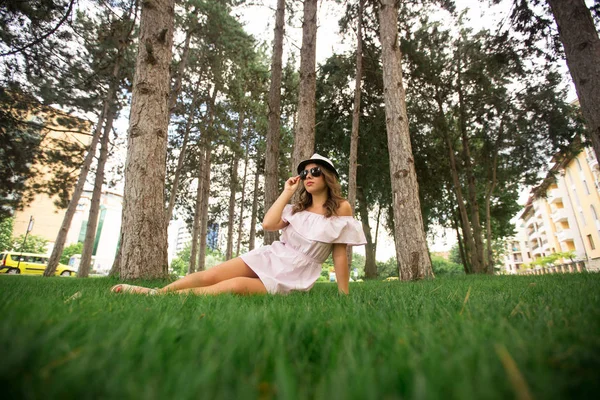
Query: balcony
(564, 235)
(559, 215)
(529, 221)
(537, 251)
(554, 196)
(533, 236)
(592, 161)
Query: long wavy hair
(334, 195)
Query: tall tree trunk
(59, 243)
(186, 135)
(491, 186)
(197, 211)
(204, 207)
(144, 246)
(409, 232)
(462, 210)
(233, 186)
(580, 39)
(370, 265)
(242, 200)
(304, 139)
(273, 133)
(254, 212)
(206, 165)
(461, 248)
(92, 224)
(355, 121)
(376, 236)
(481, 265)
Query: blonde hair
(334, 195)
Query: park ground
(465, 337)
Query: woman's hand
(292, 184)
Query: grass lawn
(461, 337)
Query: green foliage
(455, 255)
(6, 228)
(552, 259)
(441, 267)
(179, 267)
(418, 340)
(387, 269)
(34, 244)
(68, 251)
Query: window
(585, 186)
(578, 164)
(582, 218)
(591, 242)
(593, 210)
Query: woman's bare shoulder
(344, 210)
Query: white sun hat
(318, 159)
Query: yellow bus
(30, 263)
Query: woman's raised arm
(272, 220)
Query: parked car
(12, 262)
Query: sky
(259, 21)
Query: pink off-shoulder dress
(294, 262)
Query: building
(517, 251)
(562, 214)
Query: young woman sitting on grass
(320, 223)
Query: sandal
(125, 288)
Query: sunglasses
(315, 172)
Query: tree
(33, 244)
(579, 37)
(355, 119)
(120, 34)
(304, 139)
(409, 233)
(273, 132)
(144, 233)
(75, 248)
(6, 228)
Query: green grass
(387, 340)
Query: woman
(320, 223)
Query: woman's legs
(239, 285)
(234, 268)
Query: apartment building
(563, 213)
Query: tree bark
(273, 133)
(204, 207)
(304, 140)
(370, 265)
(233, 187)
(206, 179)
(480, 265)
(254, 212)
(144, 246)
(580, 39)
(461, 248)
(197, 212)
(355, 122)
(376, 237)
(90, 233)
(409, 232)
(242, 200)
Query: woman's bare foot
(125, 288)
